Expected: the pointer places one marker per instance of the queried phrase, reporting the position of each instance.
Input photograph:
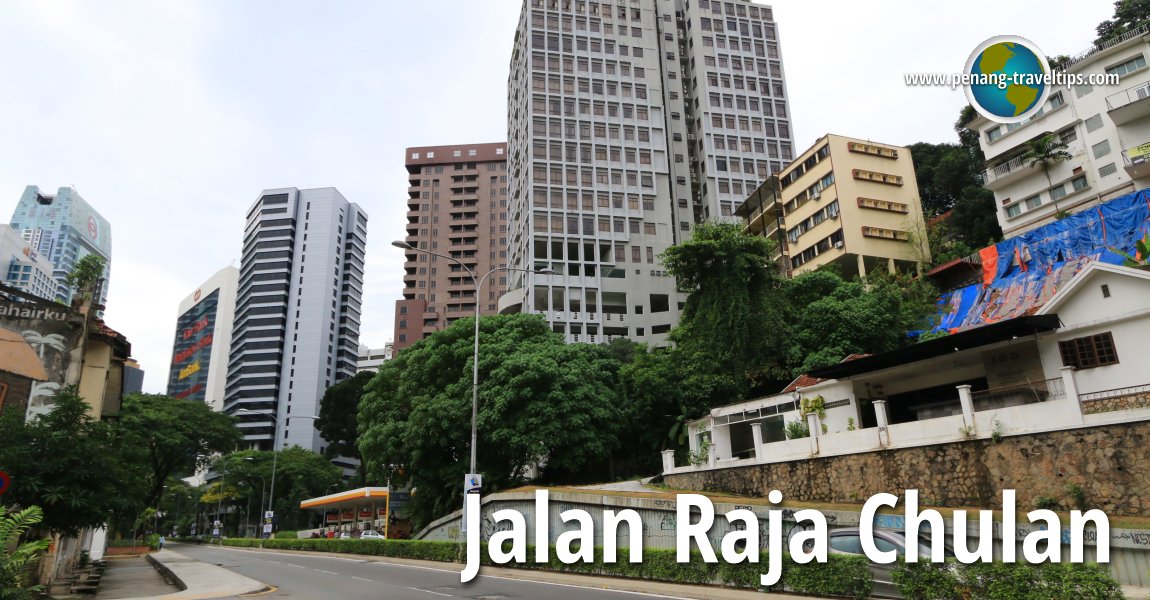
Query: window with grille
(1089, 352)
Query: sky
(170, 117)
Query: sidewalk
(198, 580)
(129, 577)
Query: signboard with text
(192, 352)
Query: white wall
(1125, 314)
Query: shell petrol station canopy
(350, 499)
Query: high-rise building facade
(457, 207)
(1104, 128)
(203, 340)
(23, 267)
(628, 124)
(298, 305)
(844, 202)
(64, 228)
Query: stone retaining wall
(1111, 463)
(1126, 402)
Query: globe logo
(1008, 79)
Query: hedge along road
(300, 575)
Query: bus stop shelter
(354, 510)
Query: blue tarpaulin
(1033, 266)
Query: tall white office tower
(296, 329)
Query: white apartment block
(627, 124)
(370, 359)
(1106, 129)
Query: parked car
(371, 535)
(343, 535)
(847, 541)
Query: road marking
(328, 572)
(362, 579)
(429, 592)
(296, 566)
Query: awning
(349, 499)
(955, 342)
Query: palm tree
(1046, 151)
(52, 340)
(17, 560)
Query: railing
(1017, 395)
(1004, 169)
(1125, 391)
(1129, 95)
(1129, 35)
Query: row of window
(735, 9)
(557, 84)
(1056, 193)
(605, 200)
(801, 169)
(831, 242)
(760, 50)
(556, 106)
(601, 153)
(590, 177)
(765, 86)
(605, 224)
(830, 211)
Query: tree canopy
(173, 437)
(543, 404)
(69, 464)
(337, 423)
(1128, 16)
(725, 332)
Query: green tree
(173, 437)
(17, 559)
(729, 329)
(1128, 16)
(246, 478)
(832, 318)
(337, 422)
(85, 275)
(1044, 152)
(541, 403)
(69, 464)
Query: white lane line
(362, 579)
(429, 592)
(296, 566)
(328, 572)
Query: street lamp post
(475, 355)
(275, 446)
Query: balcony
(1130, 104)
(1136, 161)
(1008, 172)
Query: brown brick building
(457, 207)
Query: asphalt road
(321, 577)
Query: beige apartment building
(456, 207)
(849, 202)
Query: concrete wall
(1107, 461)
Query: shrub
(1067, 580)
(797, 429)
(925, 580)
(842, 575)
